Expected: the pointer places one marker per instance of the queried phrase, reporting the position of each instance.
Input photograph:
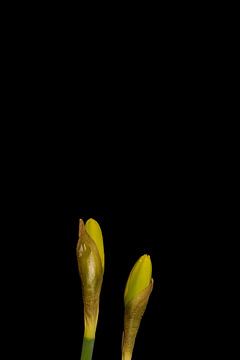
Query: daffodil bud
(138, 289)
(90, 256)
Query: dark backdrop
(145, 175)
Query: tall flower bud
(90, 256)
(137, 291)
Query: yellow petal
(94, 231)
(139, 278)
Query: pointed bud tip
(139, 278)
(81, 227)
(146, 262)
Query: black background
(130, 162)
(146, 174)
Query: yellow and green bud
(137, 291)
(90, 256)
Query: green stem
(87, 349)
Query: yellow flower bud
(90, 256)
(138, 289)
(139, 278)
